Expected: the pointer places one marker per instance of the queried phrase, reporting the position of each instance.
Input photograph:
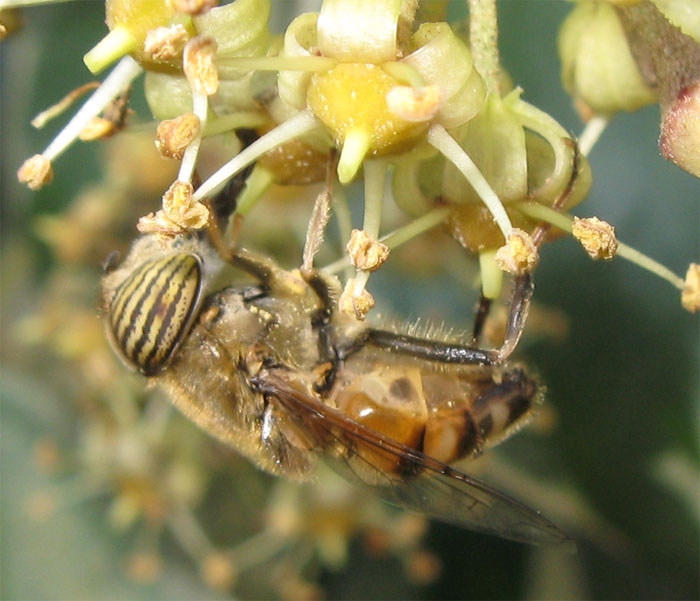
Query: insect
(272, 370)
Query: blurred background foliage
(613, 460)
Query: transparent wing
(406, 477)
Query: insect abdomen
(445, 416)
(458, 430)
(153, 308)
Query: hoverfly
(272, 370)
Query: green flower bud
(598, 69)
(684, 14)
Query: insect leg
(451, 353)
(221, 207)
(523, 288)
(423, 348)
(321, 321)
(482, 312)
(242, 260)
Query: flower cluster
(369, 90)
(372, 87)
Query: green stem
(121, 76)
(219, 124)
(491, 274)
(344, 220)
(483, 39)
(258, 181)
(375, 177)
(416, 227)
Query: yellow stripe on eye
(152, 310)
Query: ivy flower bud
(598, 68)
(680, 130)
(684, 14)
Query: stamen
(163, 44)
(198, 65)
(596, 236)
(375, 176)
(400, 235)
(565, 222)
(366, 253)
(448, 146)
(353, 302)
(303, 122)
(123, 74)
(200, 105)
(36, 172)
(591, 133)
(174, 135)
(519, 254)
(690, 295)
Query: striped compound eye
(152, 310)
